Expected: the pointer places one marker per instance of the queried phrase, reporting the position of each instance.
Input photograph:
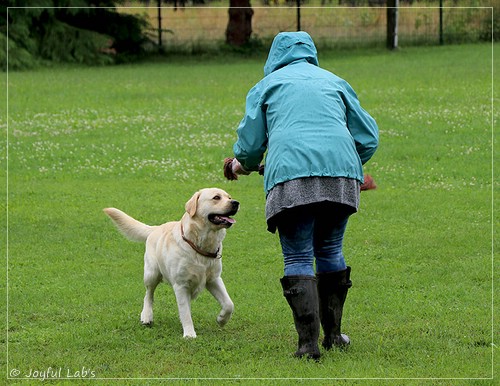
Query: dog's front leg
(218, 290)
(183, 296)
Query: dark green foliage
(71, 31)
(126, 30)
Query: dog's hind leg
(147, 310)
(152, 277)
(218, 290)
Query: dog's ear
(192, 204)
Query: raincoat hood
(288, 47)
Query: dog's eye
(217, 197)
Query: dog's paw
(189, 335)
(147, 317)
(223, 319)
(147, 324)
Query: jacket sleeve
(251, 145)
(361, 125)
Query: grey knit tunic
(303, 191)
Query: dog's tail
(131, 228)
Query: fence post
(392, 24)
(298, 15)
(441, 39)
(159, 25)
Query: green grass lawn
(144, 137)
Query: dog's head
(213, 205)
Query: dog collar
(198, 250)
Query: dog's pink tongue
(228, 219)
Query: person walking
(317, 137)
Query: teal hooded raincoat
(308, 119)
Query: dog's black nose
(235, 204)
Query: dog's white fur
(172, 259)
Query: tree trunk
(239, 27)
(392, 24)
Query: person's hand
(369, 183)
(239, 169)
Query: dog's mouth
(222, 219)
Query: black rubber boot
(302, 296)
(332, 292)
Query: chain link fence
(332, 23)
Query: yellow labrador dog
(185, 253)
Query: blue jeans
(313, 231)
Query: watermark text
(53, 373)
